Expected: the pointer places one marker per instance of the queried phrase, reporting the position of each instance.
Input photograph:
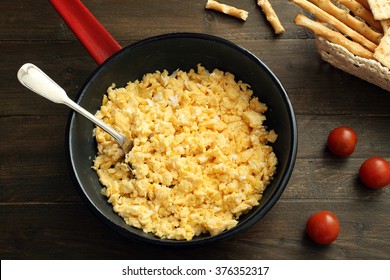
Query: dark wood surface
(43, 217)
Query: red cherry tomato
(342, 141)
(323, 227)
(375, 173)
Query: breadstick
(226, 9)
(271, 16)
(332, 36)
(364, 3)
(358, 10)
(343, 15)
(325, 17)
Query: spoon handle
(37, 81)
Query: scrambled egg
(200, 158)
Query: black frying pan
(170, 52)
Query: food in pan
(202, 155)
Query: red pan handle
(95, 38)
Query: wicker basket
(366, 69)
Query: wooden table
(43, 217)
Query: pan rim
(241, 227)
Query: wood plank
(331, 180)
(122, 19)
(326, 89)
(281, 235)
(34, 169)
(52, 231)
(33, 165)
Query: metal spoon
(37, 81)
